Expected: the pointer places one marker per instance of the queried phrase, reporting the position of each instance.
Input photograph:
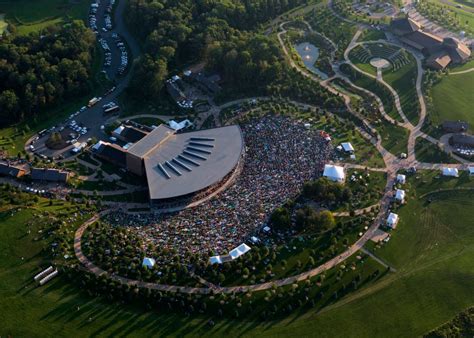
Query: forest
(40, 71)
(222, 34)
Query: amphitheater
(369, 51)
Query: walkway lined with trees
(392, 162)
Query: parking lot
(85, 124)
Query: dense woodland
(221, 33)
(37, 72)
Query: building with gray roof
(178, 165)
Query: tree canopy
(37, 71)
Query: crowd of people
(281, 154)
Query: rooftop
(151, 141)
(189, 162)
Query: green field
(29, 16)
(452, 99)
(431, 250)
(403, 81)
(428, 152)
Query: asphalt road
(93, 117)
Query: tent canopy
(239, 251)
(450, 172)
(148, 262)
(401, 178)
(347, 146)
(400, 194)
(334, 173)
(179, 125)
(215, 260)
(392, 220)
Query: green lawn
(29, 16)
(452, 99)
(394, 138)
(430, 153)
(403, 81)
(465, 66)
(432, 251)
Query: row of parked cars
(78, 128)
(93, 17)
(124, 55)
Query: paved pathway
(393, 164)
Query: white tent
(347, 146)
(148, 262)
(215, 260)
(334, 173)
(401, 178)
(239, 251)
(471, 170)
(400, 195)
(392, 220)
(179, 125)
(450, 172)
(118, 131)
(266, 229)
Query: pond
(309, 54)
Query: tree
(326, 220)
(280, 218)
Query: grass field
(29, 16)
(452, 99)
(432, 251)
(403, 81)
(428, 152)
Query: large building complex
(438, 51)
(176, 165)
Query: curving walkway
(393, 165)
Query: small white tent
(179, 125)
(118, 131)
(215, 260)
(400, 195)
(239, 251)
(471, 170)
(347, 146)
(148, 262)
(401, 179)
(392, 220)
(334, 173)
(453, 172)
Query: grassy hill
(29, 16)
(431, 250)
(452, 99)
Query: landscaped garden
(401, 74)
(324, 21)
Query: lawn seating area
(396, 56)
(324, 21)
